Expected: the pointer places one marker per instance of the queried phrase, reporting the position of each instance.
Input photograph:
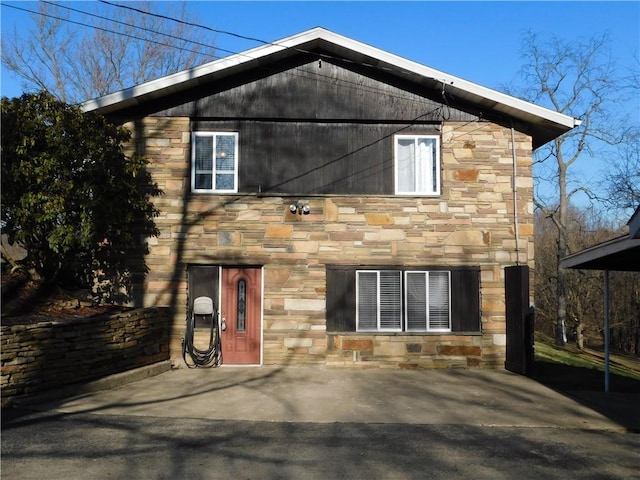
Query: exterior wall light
(300, 207)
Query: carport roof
(619, 254)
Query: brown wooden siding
(314, 158)
(307, 91)
(300, 89)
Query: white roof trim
(191, 76)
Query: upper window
(417, 164)
(388, 301)
(214, 162)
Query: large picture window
(417, 164)
(214, 162)
(427, 300)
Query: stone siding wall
(406, 351)
(470, 223)
(48, 355)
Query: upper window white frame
(214, 162)
(417, 164)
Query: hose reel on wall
(202, 318)
(202, 311)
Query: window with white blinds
(388, 302)
(214, 162)
(379, 301)
(427, 297)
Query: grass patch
(568, 367)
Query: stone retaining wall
(48, 355)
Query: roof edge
(185, 78)
(600, 250)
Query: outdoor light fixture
(300, 207)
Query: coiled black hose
(212, 356)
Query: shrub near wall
(46, 355)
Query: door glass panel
(242, 306)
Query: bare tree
(577, 78)
(623, 178)
(62, 54)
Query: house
(342, 205)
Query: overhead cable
(128, 35)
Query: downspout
(515, 193)
(606, 331)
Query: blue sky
(477, 41)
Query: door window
(242, 306)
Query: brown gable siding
(299, 91)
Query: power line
(190, 24)
(137, 27)
(301, 73)
(244, 37)
(128, 35)
(265, 42)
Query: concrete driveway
(317, 394)
(317, 423)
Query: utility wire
(138, 27)
(244, 37)
(190, 24)
(128, 35)
(303, 74)
(265, 42)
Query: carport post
(606, 331)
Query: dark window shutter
(203, 282)
(465, 300)
(341, 300)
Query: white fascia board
(455, 82)
(192, 74)
(300, 41)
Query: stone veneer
(470, 223)
(46, 355)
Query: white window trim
(437, 161)
(213, 135)
(405, 292)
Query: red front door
(241, 312)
